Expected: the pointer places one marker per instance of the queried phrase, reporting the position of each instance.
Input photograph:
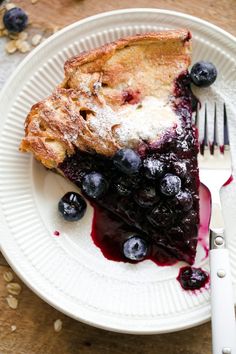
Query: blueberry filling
(151, 191)
(131, 96)
(127, 161)
(153, 168)
(191, 278)
(184, 200)
(94, 185)
(146, 196)
(170, 185)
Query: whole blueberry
(146, 196)
(72, 206)
(203, 73)
(161, 216)
(15, 20)
(192, 278)
(135, 248)
(153, 168)
(185, 200)
(180, 168)
(170, 185)
(127, 161)
(94, 185)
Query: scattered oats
(14, 288)
(23, 46)
(12, 302)
(13, 328)
(18, 43)
(36, 39)
(10, 6)
(8, 276)
(57, 325)
(11, 47)
(34, 1)
(23, 36)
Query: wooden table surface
(34, 318)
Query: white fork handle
(222, 303)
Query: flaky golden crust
(79, 112)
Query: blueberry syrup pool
(154, 195)
(110, 232)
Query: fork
(215, 170)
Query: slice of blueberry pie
(119, 127)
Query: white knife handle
(222, 303)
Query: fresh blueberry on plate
(203, 73)
(72, 206)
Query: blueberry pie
(119, 127)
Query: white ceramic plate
(69, 271)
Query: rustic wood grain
(35, 334)
(63, 12)
(34, 318)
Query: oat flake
(12, 302)
(11, 47)
(36, 39)
(14, 288)
(10, 6)
(57, 325)
(8, 276)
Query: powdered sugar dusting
(147, 123)
(133, 123)
(70, 137)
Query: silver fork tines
(214, 158)
(210, 116)
(226, 128)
